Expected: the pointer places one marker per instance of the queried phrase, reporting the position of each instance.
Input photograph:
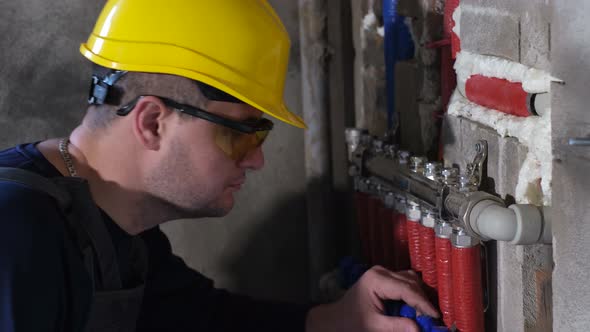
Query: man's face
(196, 174)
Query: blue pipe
(398, 46)
(389, 21)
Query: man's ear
(149, 117)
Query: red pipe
(428, 256)
(361, 207)
(449, 24)
(400, 236)
(467, 289)
(387, 219)
(499, 94)
(414, 243)
(375, 230)
(444, 279)
(450, 46)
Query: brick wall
(520, 275)
(519, 31)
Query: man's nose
(253, 160)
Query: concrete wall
(260, 248)
(570, 53)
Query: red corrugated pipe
(413, 214)
(375, 230)
(387, 240)
(361, 207)
(444, 271)
(449, 47)
(427, 248)
(467, 283)
(400, 236)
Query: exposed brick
(452, 141)
(370, 98)
(406, 105)
(472, 132)
(535, 40)
(537, 294)
(428, 126)
(510, 289)
(409, 8)
(513, 155)
(490, 31)
(505, 5)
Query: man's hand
(362, 309)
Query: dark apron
(113, 308)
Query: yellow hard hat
(238, 46)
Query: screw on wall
(578, 141)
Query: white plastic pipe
(517, 224)
(496, 222)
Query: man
(175, 120)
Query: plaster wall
(570, 54)
(260, 248)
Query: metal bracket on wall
(475, 168)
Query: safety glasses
(235, 138)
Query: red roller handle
(414, 244)
(444, 279)
(467, 289)
(428, 256)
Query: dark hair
(128, 86)
(115, 93)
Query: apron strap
(36, 182)
(74, 199)
(84, 213)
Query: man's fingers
(407, 276)
(396, 324)
(416, 299)
(389, 287)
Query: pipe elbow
(517, 224)
(492, 221)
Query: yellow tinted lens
(262, 135)
(224, 139)
(236, 144)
